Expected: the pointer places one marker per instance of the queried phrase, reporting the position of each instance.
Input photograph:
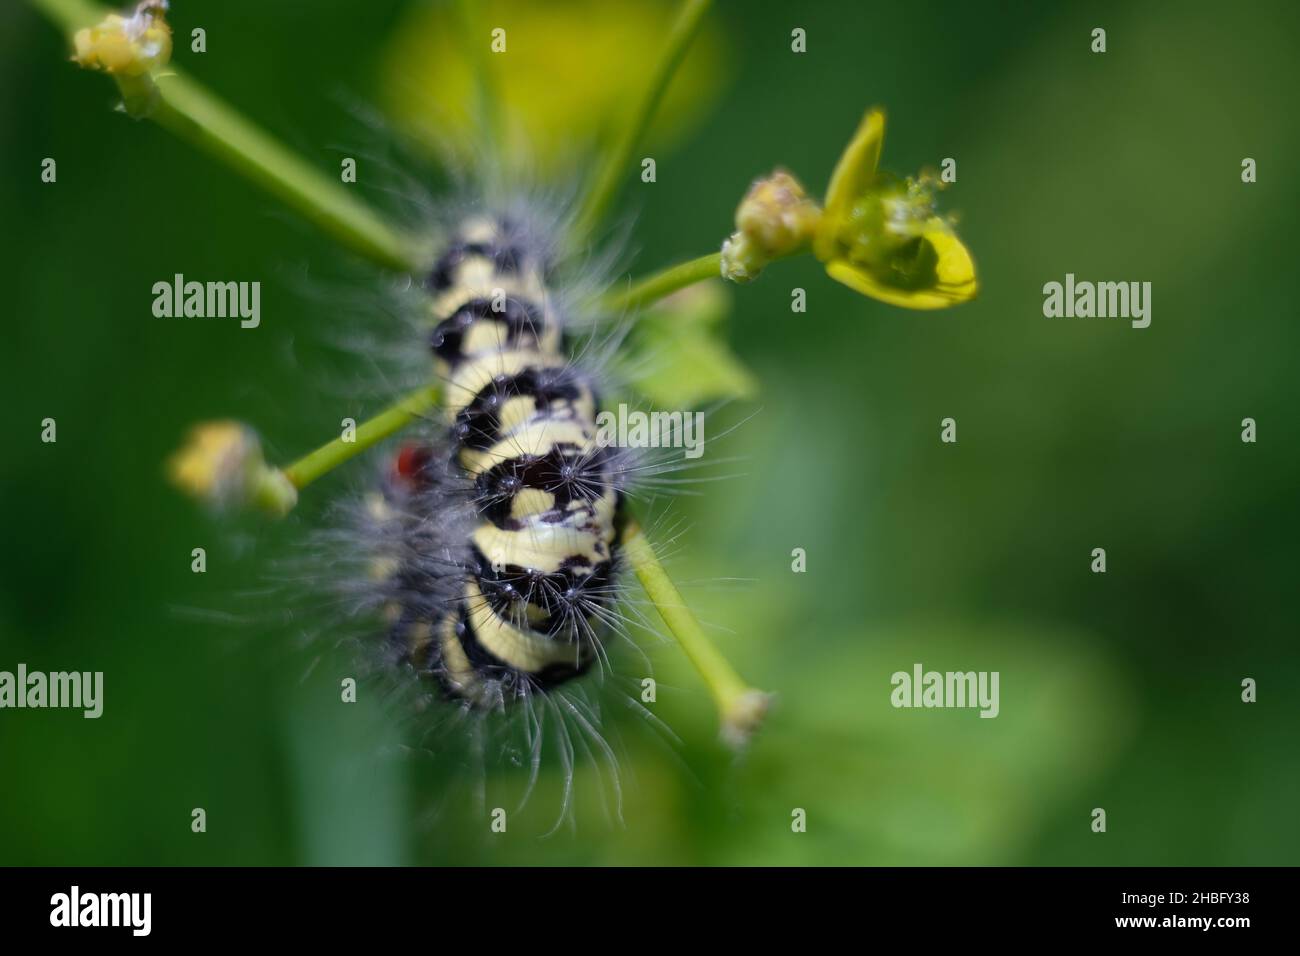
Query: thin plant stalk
(369, 433)
(190, 112)
(740, 706)
(647, 291)
(612, 172)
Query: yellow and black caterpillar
(500, 560)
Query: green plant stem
(370, 432)
(741, 707)
(186, 109)
(615, 168)
(647, 291)
(192, 113)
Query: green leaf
(678, 355)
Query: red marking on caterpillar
(412, 460)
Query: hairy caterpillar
(510, 600)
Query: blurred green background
(1119, 691)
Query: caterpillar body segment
(506, 530)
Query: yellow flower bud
(777, 214)
(127, 46)
(223, 467)
(776, 218)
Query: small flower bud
(776, 218)
(742, 258)
(223, 467)
(126, 45)
(777, 214)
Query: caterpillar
(514, 599)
